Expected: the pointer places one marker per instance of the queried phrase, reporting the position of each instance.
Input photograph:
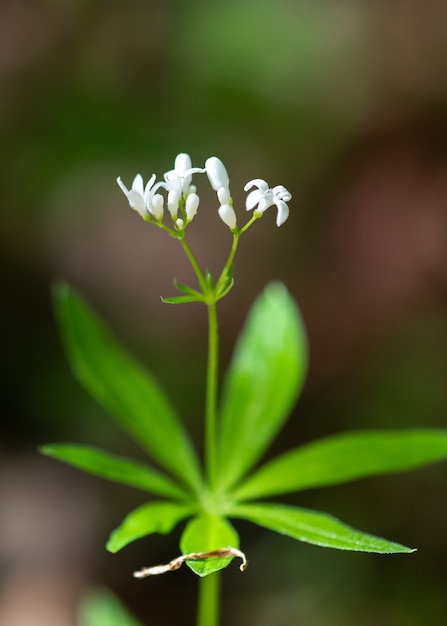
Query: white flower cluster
(183, 201)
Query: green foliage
(153, 517)
(313, 527)
(206, 533)
(121, 385)
(263, 381)
(341, 458)
(115, 468)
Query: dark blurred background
(342, 101)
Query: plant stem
(194, 264)
(209, 600)
(224, 274)
(211, 396)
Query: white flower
(173, 203)
(191, 205)
(228, 216)
(138, 195)
(155, 205)
(219, 180)
(223, 193)
(265, 197)
(179, 179)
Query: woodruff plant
(259, 390)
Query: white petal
(227, 215)
(136, 201)
(282, 193)
(123, 186)
(253, 199)
(256, 182)
(265, 202)
(138, 184)
(283, 212)
(191, 206)
(149, 184)
(217, 174)
(182, 163)
(195, 170)
(172, 181)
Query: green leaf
(226, 288)
(114, 468)
(102, 608)
(205, 534)
(263, 381)
(188, 290)
(182, 299)
(123, 387)
(152, 517)
(314, 527)
(345, 457)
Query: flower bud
(192, 204)
(223, 193)
(217, 174)
(228, 216)
(173, 202)
(156, 206)
(182, 163)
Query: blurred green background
(342, 101)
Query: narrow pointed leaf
(182, 299)
(123, 387)
(188, 290)
(115, 468)
(226, 289)
(263, 381)
(314, 527)
(153, 517)
(345, 457)
(204, 534)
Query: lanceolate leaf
(154, 517)
(188, 290)
(345, 457)
(263, 381)
(205, 534)
(182, 299)
(115, 468)
(121, 385)
(314, 527)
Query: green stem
(195, 265)
(211, 396)
(209, 600)
(236, 235)
(224, 274)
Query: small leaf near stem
(208, 533)
(176, 564)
